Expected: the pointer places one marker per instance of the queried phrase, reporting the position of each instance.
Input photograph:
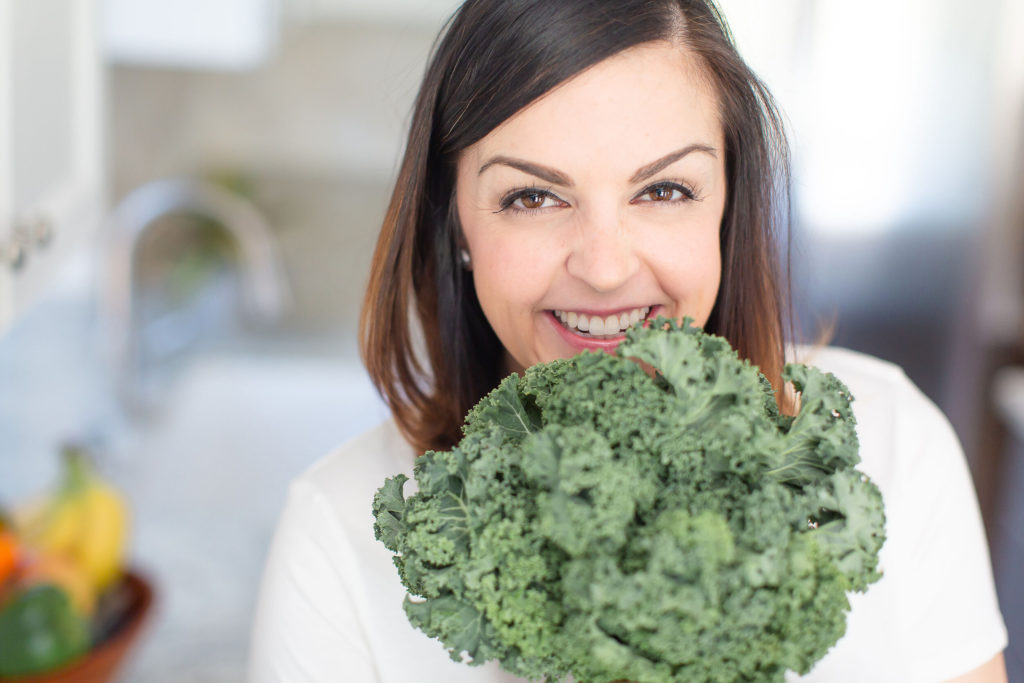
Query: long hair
(423, 337)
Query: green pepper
(40, 631)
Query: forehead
(626, 110)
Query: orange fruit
(10, 554)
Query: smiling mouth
(598, 326)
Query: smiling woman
(572, 167)
(620, 157)
(571, 242)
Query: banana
(100, 548)
(61, 530)
(85, 521)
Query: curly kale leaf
(704, 372)
(504, 410)
(853, 528)
(652, 521)
(455, 622)
(587, 496)
(822, 437)
(388, 509)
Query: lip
(580, 343)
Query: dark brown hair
(494, 59)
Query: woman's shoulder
(377, 453)
(899, 427)
(866, 376)
(381, 446)
(921, 624)
(884, 397)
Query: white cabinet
(223, 35)
(51, 168)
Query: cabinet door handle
(40, 231)
(36, 232)
(13, 254)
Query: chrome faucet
(265, 295)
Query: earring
(464, 257)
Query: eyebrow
(650, 169)
(556, 177)
(542, 172)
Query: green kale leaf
(611, 522)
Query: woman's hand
(992, 671)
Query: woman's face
(598, 204)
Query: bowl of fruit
(70, 611)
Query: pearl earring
(464, 257)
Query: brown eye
(532, 200)
(660, 193)
(666, 193)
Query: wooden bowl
(134, 599)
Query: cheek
(709, 286)
(511, 274)
(688, 268)
(706, 261)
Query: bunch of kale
(600, 521)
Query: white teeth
(597, 326)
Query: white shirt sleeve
(305, 628)
(948, 605)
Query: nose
(603, 254)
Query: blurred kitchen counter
(207, 474)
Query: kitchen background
(189, 193)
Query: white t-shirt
(330, 607)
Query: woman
(573, 166)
